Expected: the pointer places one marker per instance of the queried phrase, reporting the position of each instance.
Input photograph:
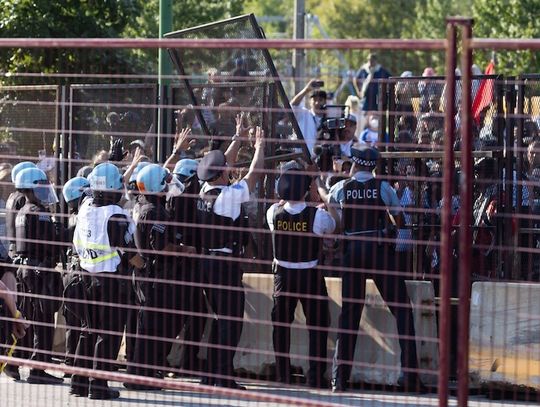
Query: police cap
(211, 165)
(364, 155)
(292, 186)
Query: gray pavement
(22, 394)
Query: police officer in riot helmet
(74, 191)
(219, 215)
(38, 247)
(103, 231)
(157, 247)
(297, 229)
(370, 210)
(14, 203)
(183, 210)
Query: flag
(484, 96)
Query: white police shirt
(230, 199)
(323, 224)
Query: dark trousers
(164, 313)
(103, 327)
(39, 312)
(291, 286)
(360, 256)
(224, 290)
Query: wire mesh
(200, 305)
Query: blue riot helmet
(74, 189)
(185, 168)
(19, 167)
(132, 184)
(106, 177)
(36, 180)
(153, 179)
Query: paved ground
(22, 394)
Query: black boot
(79, 386)
(13, 372)
(38, 376)
(100, 390)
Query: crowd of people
(149, 249)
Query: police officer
(74, 191)
(156, 242)
(366, 206)
(103, 232)
(38, 247)
(219, 215)
(296, 233)
(183, 210)
(14, 203)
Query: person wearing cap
(38, 246)
(309, 120)
(347, 136)
(219, 214)
(366, 205)
(102, 234)
(297, 229)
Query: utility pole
(299, 55)
(165, 70)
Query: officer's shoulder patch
(158, 227)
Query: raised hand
(182, 139)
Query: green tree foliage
(66, 19)
(94, 19)
(508, 19)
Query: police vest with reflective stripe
(362, 206)
(91, 239)
(293, 237)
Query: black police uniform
(38, 247)
(364, 217)
(222, 278)
(293, 284)
(72, 283)
(183, 210)
(153, 233)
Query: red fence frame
(450, 46)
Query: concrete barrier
(377, 351)
(505, 334)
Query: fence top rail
(418, 44)
(505, 43)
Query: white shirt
(308, 124)
(229, 201)
(322, 224)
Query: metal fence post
(446, 232)
(465, 235)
